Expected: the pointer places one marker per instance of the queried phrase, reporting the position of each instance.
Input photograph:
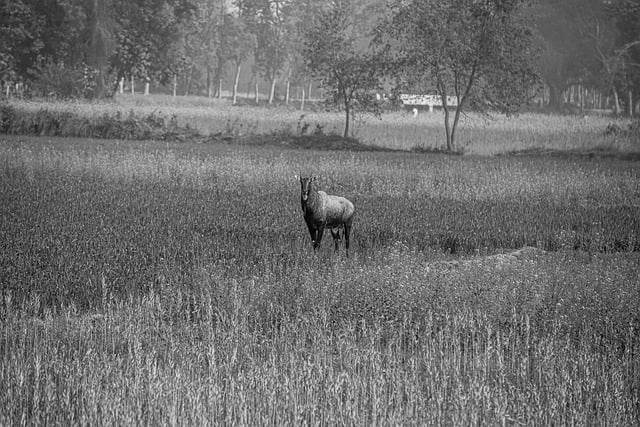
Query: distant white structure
(411, 100)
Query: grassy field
(477, 134)
(165, 283)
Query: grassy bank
(155, 282)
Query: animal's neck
(311, 199)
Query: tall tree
(566, 54)
(100, 44)
(20, 38)
(147, 30)
(193, 55)
(336, 52)
(479, 52)
(626, 16)
(238, 43)
(220, 41)
(270, 21)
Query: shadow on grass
(595, 154)
(313, 142)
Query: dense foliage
(190, 44)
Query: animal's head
(305, 186)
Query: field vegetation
(184, 118)
(158, 282)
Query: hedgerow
(131, 126)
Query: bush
(58, 81)
(633, 130)
(45, 122)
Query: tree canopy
(87, 45)
(333, 52)
(480, 53)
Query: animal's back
(338, 209)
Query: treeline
(586, 51)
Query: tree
(146, 33)
(479, 52)
(270, 22)
(71, 40)
(194, 55)
(220, 26)
(238, 43)
(336, 52)
(100, 43)
(20, 38)
(598, 29)
(626, 16)
(566, 55)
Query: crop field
(148, 282)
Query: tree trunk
(555, 98)
(272, 91)
(288, 88)
(235, 83)
(447, 128)
(456, 119)
(218, 77)
(616, 102)
(257, 92)
(133, 91)
(146, 88)
(347, 113)
(103, 90)
(175, 85)
(302, 100)
(209, 94)
(253, 76)
(121, 85)
(442, 90)
(309, 91)
(630, 103)
(582, 97)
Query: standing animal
(321, 210)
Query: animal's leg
(335, 233)
(347, 233)
(313, 233)
(319, 238)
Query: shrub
(45, 122)
(58, 81)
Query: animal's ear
(297, 177)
